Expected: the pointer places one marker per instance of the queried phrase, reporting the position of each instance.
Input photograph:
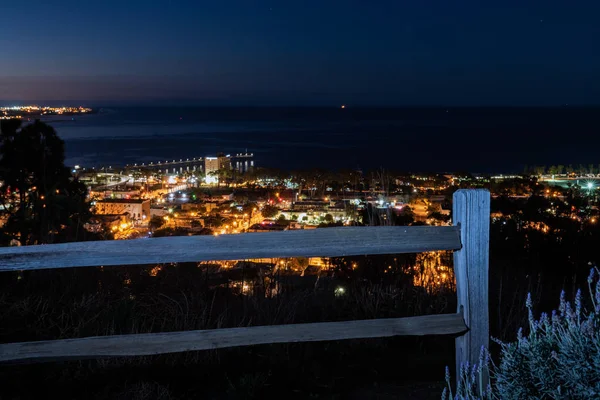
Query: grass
(83, 302)
(86, 302)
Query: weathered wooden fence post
(471, 210)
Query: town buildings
(137, 209)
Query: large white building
(137, 209)
(214, 164)
(211, 164)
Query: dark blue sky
(388, 52)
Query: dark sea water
(405, 139)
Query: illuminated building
(224, 161)
(138, 209)
(211, 164)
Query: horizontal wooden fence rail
(326, 242)
(173, 342)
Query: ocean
(495, 140)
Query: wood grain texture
(326, 242)
(174, 342)
(471, 210)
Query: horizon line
(201, 104)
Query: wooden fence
(469, 238)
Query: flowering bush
(558, 359)
(472, 384)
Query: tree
(535, 208)
(224, 175)
(350, 211)
(214, 175)
(328, 218)
(269, 211)
(439, 216)
(201, 210)
(434, 207)
(43, 202)
(213, 221)
(156, 222)
(330, 224)
(539, 170)
(504, 205)
(404, 217)
(248, 208)
(199, 175)
(169, 232)
(560, 169)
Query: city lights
(20, 112)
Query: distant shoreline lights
(19, 111)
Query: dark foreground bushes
(55, 304)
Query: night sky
(367, 52)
